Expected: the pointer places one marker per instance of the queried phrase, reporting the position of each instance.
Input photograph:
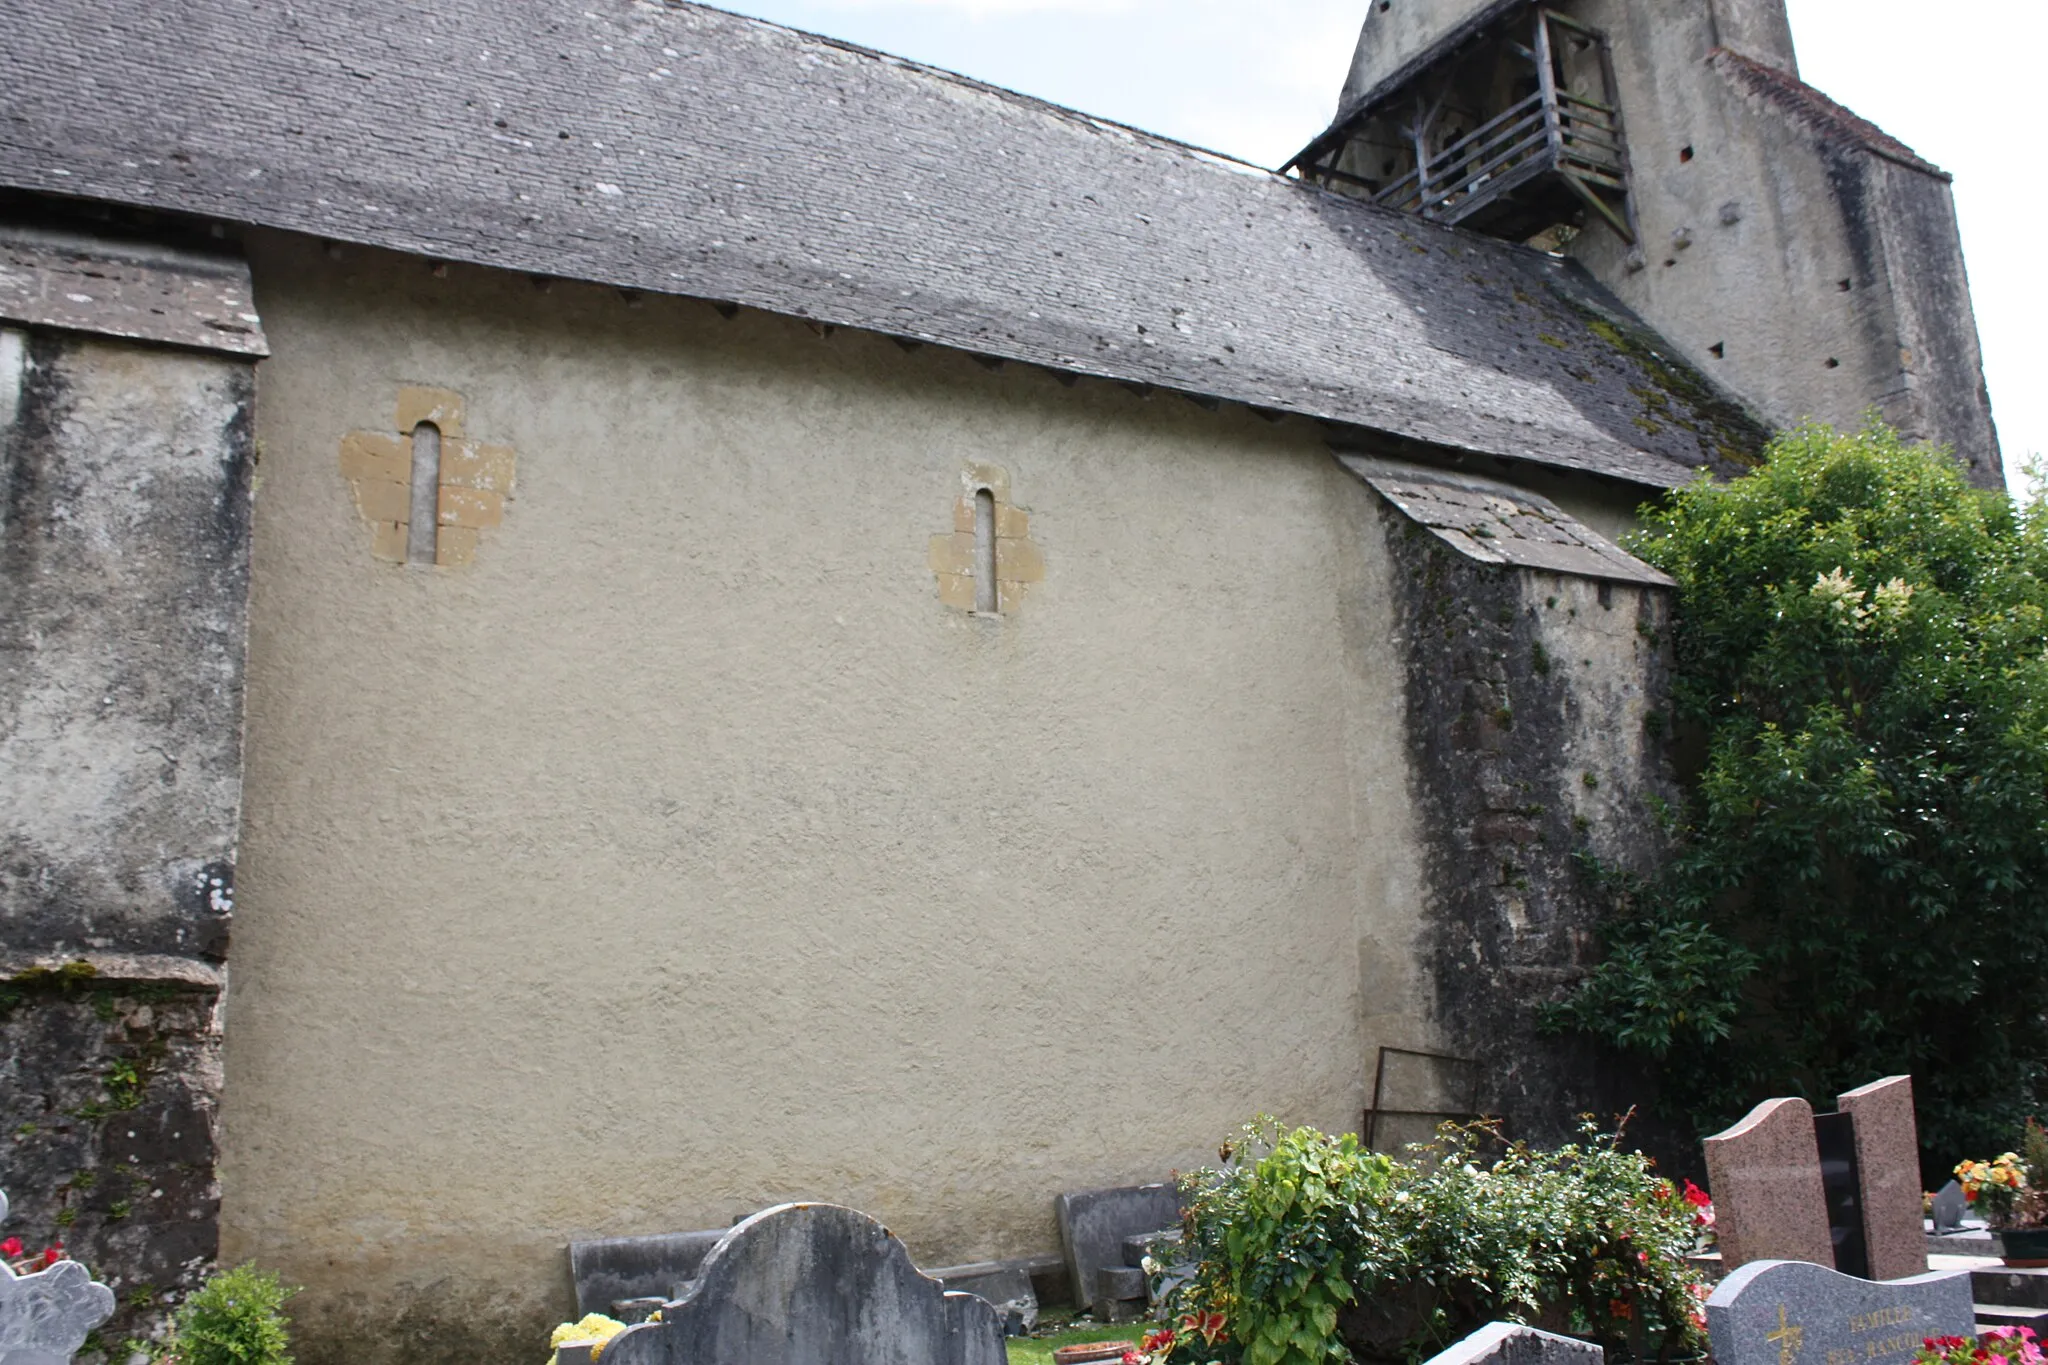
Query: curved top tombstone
(813, 1284)
(44, 1317)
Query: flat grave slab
(1094, 1223)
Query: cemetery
(1815, 1247)
(842, 717)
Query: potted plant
(2011, 1192)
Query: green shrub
(1860, 887)
(1319, 1251)
(236, 1318)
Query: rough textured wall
(1536, 732)
(686, 851)
(123, 563)
(123, 556)
(1396, 36)
(109, 1093)
(1759, 29)
(1812, 276)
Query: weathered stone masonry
(1536, 731)
(126, 459)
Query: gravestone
(1841, 1187)
(813, 1284)
(1094, 1223)
(1951, 1206)
(1005, 1284)
(1510, 1343)
(1888, 1168)
(615, 1272)
(44, 1317)
(1765, 1178)
(1797, 1313)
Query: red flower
(1620, 1308)
(10, 1248)
(53, 1253)
(1697, 1197)
(1157, 1341)
(1132, 1358)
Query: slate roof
(676, 148)
(1497, 523)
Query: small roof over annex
(675, 148)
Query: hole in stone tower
(1720, 350)
(1834, 364)
(1844, 285)
(1685, 153)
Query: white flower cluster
(1887, 605)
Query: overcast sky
(1259, 78)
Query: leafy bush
(1320, 1251)
(236, 1318)
(1861, 882)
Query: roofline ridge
(1803, 99)
(1065, 111)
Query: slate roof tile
(676, 148)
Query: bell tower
(1794, 252)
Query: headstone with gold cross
(1798, 1313)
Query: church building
(611, 614)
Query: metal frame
(1370, 1124)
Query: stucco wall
(684, 852)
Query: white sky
(1958, 82)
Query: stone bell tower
(1794, 252)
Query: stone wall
(123, 566)
(1791, 252)
(1535, 728)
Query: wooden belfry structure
(1510, 128)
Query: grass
(1038, 1350)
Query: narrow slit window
(985, 598)
(422, 528)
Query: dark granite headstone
(1950, 1207)
(1798, 1313)
(1841, 1184)
(813, 1284)
(1510, 1343)
(44, 1317)
(1094, 1223)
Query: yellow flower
(594, 1327)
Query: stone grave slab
(613, 1271)
(1094, 1223)
(44, 1317)
(814, 1284)
(1888, 1165)
(1764, 1174)
(1798, 1313)
(1510, 1343)
(1005, 1284)
(1950, 1207)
